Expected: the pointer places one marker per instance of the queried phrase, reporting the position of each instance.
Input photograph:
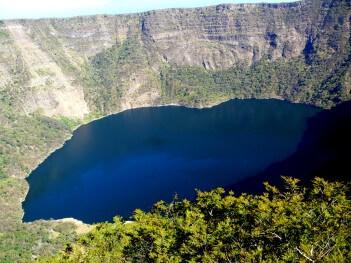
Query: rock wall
(57, 54)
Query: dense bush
(293, 225)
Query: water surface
(135, 158)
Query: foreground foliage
(294, 225)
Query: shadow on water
(324, 151)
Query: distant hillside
(56, 74)
(298, 51)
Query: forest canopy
(293, 224)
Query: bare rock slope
(48, 88)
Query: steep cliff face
(228, 35)
(109, 63)
(48, 88)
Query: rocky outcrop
(48, 90)
(228, 35)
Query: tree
(295, 224)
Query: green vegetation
(3, 34)
(23, 141)
(23, 242)
(293, 225)
(289, 79)
(109, 74)
(108, 70)
(72, 124)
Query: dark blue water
(135, 158)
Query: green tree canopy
(296, 224)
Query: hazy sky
(64, 8)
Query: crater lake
(133, 159)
